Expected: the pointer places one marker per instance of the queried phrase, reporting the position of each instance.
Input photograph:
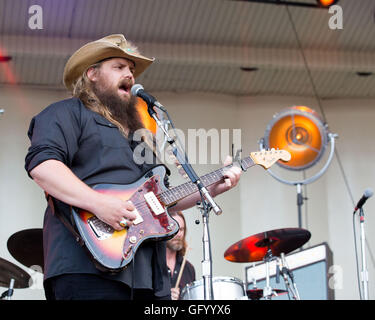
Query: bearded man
(180, 270)
(85, 140)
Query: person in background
(179, 268)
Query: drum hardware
(225, 288)
(268, 246)
(255, 247)
(9, 293)
(256, 294)
(26, 247)
(286, 272)
(12, 277)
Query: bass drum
(224, 288)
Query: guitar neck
(182, 191)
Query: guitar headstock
(266, 158)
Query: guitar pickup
(154, 203)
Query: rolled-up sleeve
(54, 134)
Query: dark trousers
(93, 287)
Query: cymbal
(26, 247)
(254, 248)
(256, 294)
(10, 271)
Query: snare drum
(224, 288)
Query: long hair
(181, 252)
(82, 89)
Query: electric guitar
(113, 249)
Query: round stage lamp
(148, 122)
(300, 131)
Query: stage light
(300, 131)
(148, 122)
(326, 3)
(5, 58)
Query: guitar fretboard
(177, 193)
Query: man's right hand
(59, 181)
(112, 211)
(175, 293)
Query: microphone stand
(208, 203)
(364, 264)
(9, 293)
(285, 272)
(207, 259)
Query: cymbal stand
(285, 272)
(9, 293)
(267, 290)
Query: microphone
(138, 90)
(367, 194)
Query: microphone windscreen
(368, 193)
(135, 88)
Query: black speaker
(310, 268)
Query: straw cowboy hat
(112, 46)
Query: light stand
(299, 183)
(208, 202)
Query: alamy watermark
(36, 18)
(336, 21)
(201, 146)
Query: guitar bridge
(101, 230)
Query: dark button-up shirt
(96, 152)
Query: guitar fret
(177, 193)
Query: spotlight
(147, 121)
(301, 132)
(326, 3)
(5, 58)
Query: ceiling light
(326, 3)
(5, 58)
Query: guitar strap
(52, 204)
(63, 219)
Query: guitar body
(114, 249)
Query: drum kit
(266, 246)
(26, 247)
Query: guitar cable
(133, 277)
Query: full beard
(175, 244)
(122, 110)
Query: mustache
(126, 83)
